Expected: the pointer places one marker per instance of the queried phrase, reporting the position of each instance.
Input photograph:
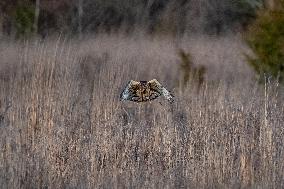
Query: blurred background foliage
(23, 18)
(261, 20)
(153, 16)
(266, 39)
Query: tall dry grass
(63, 126)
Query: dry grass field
(62, 124)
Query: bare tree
(80, 15)
(273, 4)
(37, 9)
(270, 4)
(1, 25)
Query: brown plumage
(144, 91)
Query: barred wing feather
(129, 91)
(157, 87)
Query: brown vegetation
(66, 128)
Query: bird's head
(143, 85)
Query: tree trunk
(270, 4)
(273, 4)
(1, 25)
(37, 9)
(80, 14)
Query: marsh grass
(63, 125)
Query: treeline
(46, 17)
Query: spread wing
(129, 92)
(159, 90)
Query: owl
(144, 91)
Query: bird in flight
(143, 91)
